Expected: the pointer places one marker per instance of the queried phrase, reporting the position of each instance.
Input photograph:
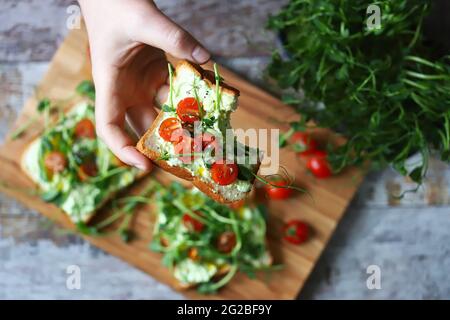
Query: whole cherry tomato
(303, 144)
(224, 173)
(188, 110)
(295, 232)
(276, 190)
(318, 165)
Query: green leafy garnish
(387, 90)
(86, 89)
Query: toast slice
(90, 174)
(197, 94)
(200, 244)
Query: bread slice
(82, 200)
(190, 249)
(186, 76)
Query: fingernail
(200, 54)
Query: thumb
(159, 31)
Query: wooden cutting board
(322, 210)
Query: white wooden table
(409, 239)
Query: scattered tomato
(303, 144)
(87, 170)
(169, 130)
(276, 190)
(318, 165)
(224, 173)
(55, 162)
(226, 242)
(85, 129)
(295, 232)
(188, 110)
(193, 224)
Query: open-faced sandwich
(72, 168)
(191, 137)
(205, 243)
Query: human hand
(127, 43)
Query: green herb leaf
(43, 105)
(86, 89)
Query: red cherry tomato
(303, 143)
(164, 242)
(295, 232)
(184, 148)
(318, 165)
(224, 173)
(169, 130)
(87, 170)
(55, 162)
(188, 110)
(192, 224)
(226, 242)
(278, 193)
(85, 129)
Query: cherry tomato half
(188, 110)
(184, 148)
(169, 130)
(87, 170)
(192, 224)
(206, 142)
(226, 242)
(303, 143)
(237, 204)
(224, 173)
(295, 232)
(278, 193)
(318, 165)
(85, 129)
(55, 162)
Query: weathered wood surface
(408, 239)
